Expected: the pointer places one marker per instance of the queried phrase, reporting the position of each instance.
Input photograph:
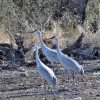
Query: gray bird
(67, 61)
(45, 72)
(51, 54)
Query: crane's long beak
(52, 37)
(31, 31)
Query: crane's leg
(37, 75)
(45, 92)
(54, 88)
(66, 73)
(73, 76)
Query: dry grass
(4, 38)
(64, 38)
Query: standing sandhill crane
(68, 62)
(45, 72)
(50, 54)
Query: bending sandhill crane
(45, 72)
(68, 62)
(50, 54)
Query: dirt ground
(28, 85)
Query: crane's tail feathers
(82, 71)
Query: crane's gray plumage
(50, 54)
(67, 61)
(45, 72)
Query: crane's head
(35, 46)
(55, 38)
(36, 32)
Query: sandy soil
(28, 85)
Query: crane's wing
(46, 73)
(69, 62)
(51, 54)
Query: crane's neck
(37, 56)
(41, 41)
(58, 48)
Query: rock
(77, 7)
(77, 44)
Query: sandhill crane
(51, 54)
(67, 61)
(45, 72)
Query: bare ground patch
(15, 85)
